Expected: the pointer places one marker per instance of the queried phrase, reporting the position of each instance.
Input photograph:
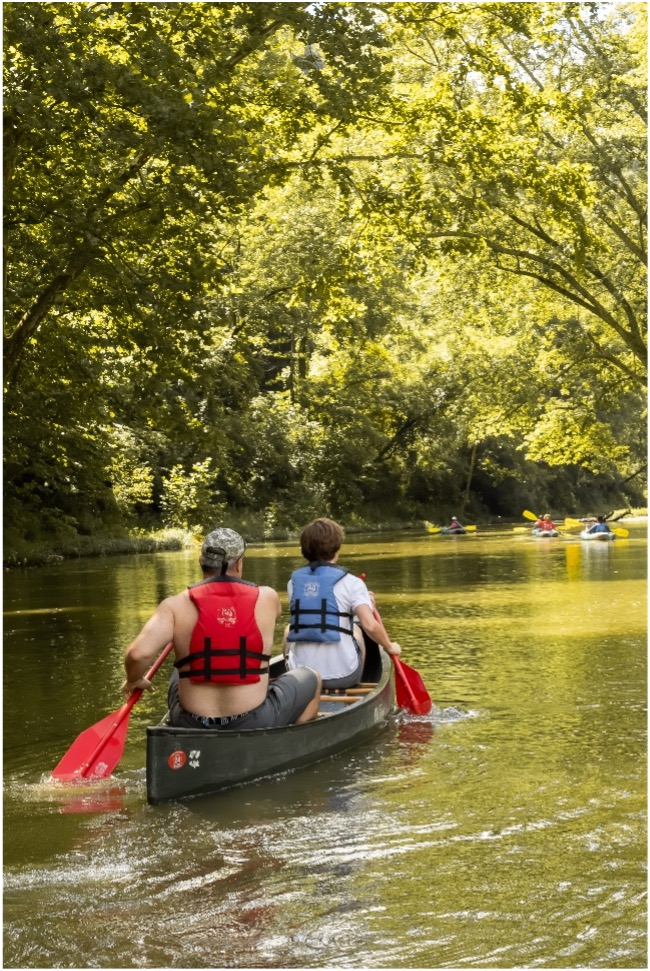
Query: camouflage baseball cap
(221, 545)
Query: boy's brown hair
(321, 540)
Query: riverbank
(56, 549)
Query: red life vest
(226, 646)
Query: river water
(507, 829)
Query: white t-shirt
(338, 658)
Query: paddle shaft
(122, 713)
(403, 686)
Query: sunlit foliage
(286, 259)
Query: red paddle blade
(410, 690)
(95, 753)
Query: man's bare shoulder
(268, 598)
(268, 593)
(178, 601)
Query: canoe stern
(183, 762)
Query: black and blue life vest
(314, 612)
(599, 528)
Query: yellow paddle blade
(527, 514)
(521, 529)
(432, 529)
(471, 529)
(573, 523)
(619, 531)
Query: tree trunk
(470, 475)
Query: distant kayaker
(546, 524)
(600, 526)
(222, 631)
(455, 525)
(327, 605)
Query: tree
(299, 257)
(518, 133)
(135, 135)
(133, 128)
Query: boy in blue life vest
(327, 602)
(222, 631)
(600, 526)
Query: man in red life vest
(222, 630)
(545, 524)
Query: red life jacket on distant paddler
(226, 646)
(545, 524)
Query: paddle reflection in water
(505, 829)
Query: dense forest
(266, 261)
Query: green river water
(507, 829)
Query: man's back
(214, 700)
(233, 616)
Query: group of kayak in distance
(594, 527)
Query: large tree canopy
(301, 258)
(131, 129)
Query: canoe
(184, 762)
(545, 533)
(446, 531)
(597, 536)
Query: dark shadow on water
(331, 785)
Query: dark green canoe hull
(184, 762)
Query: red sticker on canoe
(177, 760)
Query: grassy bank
(54, 549)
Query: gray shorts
(286, 699)
(350, 679)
